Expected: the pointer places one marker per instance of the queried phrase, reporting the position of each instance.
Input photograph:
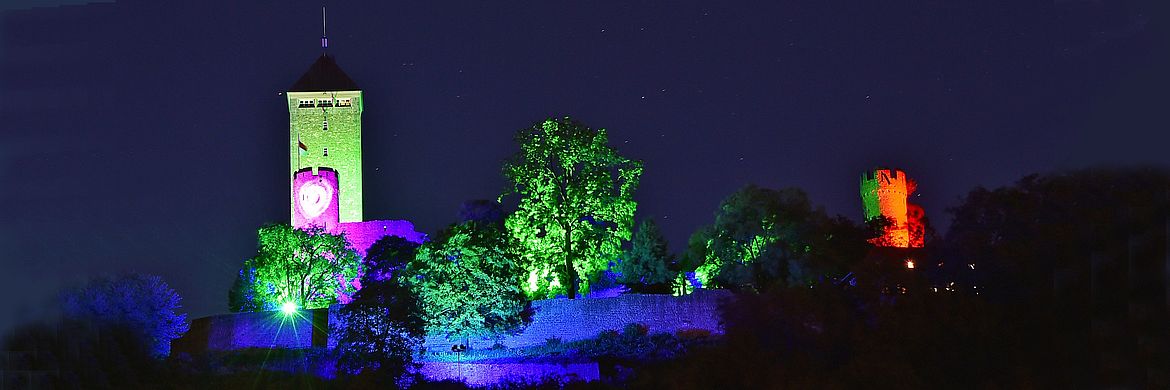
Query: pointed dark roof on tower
(324, 75)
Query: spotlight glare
(288, 308)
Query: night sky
(148, 137)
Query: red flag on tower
(304, 148)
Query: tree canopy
(310, 268)
(763, 238)
(143, 304)
(468, 283)
(646, 267)
(1010, 240)
(576, 204)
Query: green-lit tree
(468, 283)
(645, 268)
(763, 238)
(576, 204)
(309, 268)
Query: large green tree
(468, 283)
(309, 268)
(576, 204)
(763, 238)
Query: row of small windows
(310, 103)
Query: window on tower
(326, 152)
(344, 102)
(305, 103)
(324, 102)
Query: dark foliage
(78, 354)
(242, 296)
(824, 337)
(646, 267)
(140, 303)
(380, 330)
(1078, 259)
(764, 238)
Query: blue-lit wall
(270, 329)
(484, 374)
(566, 319)
(579, 319)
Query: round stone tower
(884, 193)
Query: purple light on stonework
(363, 234)
(315, 199)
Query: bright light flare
(909, 264)
(288, 308)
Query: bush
(633, 330)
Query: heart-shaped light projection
(315, 197)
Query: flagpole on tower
(324, 40)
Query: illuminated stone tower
(884, 193)
(325, 131)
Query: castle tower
(884, 193)
(325, 131)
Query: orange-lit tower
(884, 193)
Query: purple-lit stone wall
(315, 199)
(363, 234)
(270, 329)
(484, 374)
(579, 319)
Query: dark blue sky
(150, 136)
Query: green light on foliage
(467, 282)
(308, 268)
(763, 238)
(576, 205)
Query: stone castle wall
(487, 374)
(361, 235)
(565, 319)
(269, 329)
(579, 319)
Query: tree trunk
(571, 272)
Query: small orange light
(909, 264)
